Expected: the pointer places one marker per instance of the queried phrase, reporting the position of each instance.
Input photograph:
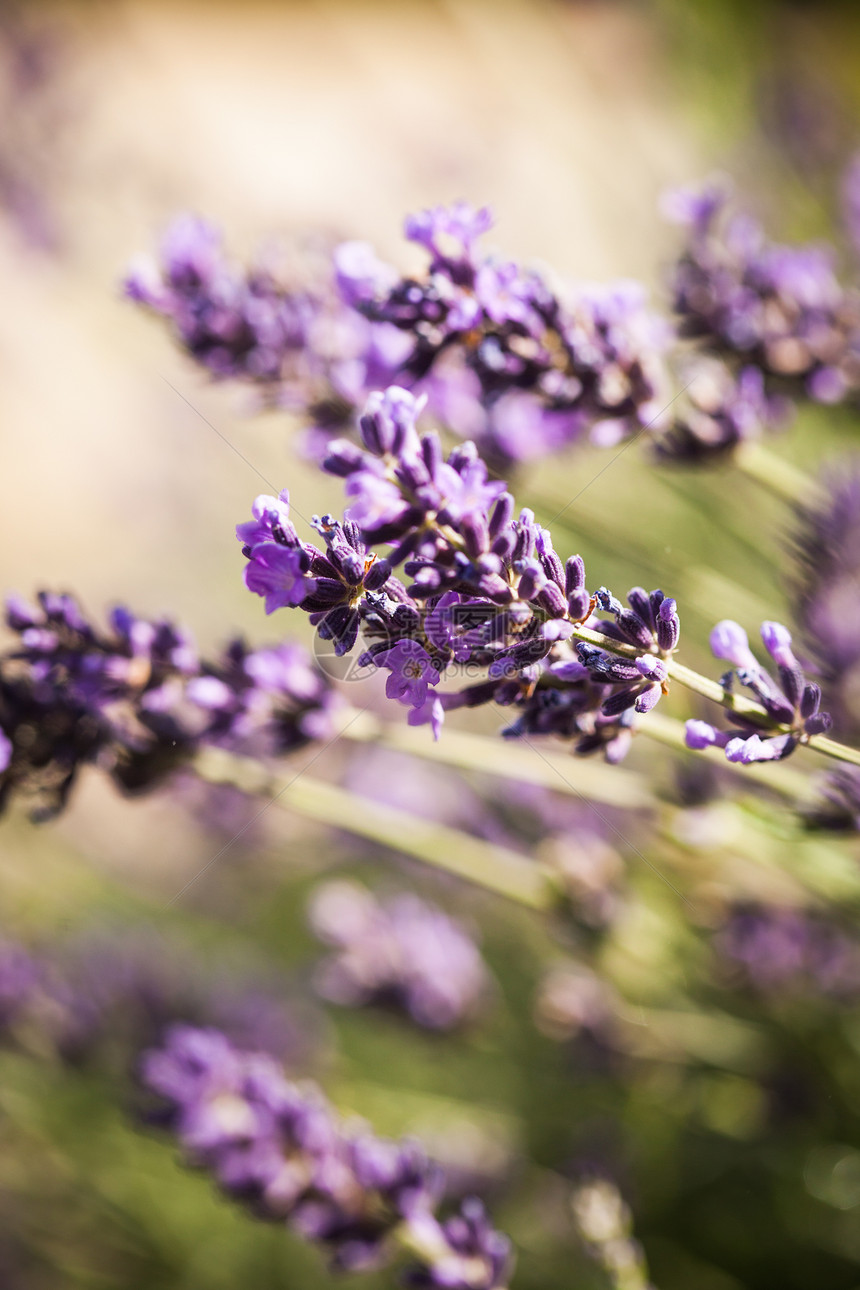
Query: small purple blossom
(791, 704)
(411, 673)
(402, 951)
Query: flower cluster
(825, 546)
(119, 988)
(279, 1149)
(503, 355)
(402, 950)
(718, 409)
(138, 700)
(791, 705)
(292, 340)
(487, 591)
(780, 308)
(777, 949)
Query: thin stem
(712, 690)
(495, 868)
(773, 472)
(483, 754)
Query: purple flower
(279, 574)
(791, 705)
(449, 233)
(412, 673)
(279, 1149)
(403, 951)
(271, 522)
(729, 641)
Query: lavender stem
(495, 868)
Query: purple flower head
(279, 1149)
(403, 951)
(412, 673)
(791, 703)
(449, 233)
(271, 522)
(388, 422)
(137, 698)
(279, 575)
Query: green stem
(483, 754)
(495, 868)
(773, 472)
(712, 690)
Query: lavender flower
(718, 410)
(774, 949)
(780, 308)
(402, 950)
(117, 988)
(791, 706)
(838, 806)
(291, 338)
(487, 590)
(137, 700)
(279, 1149)
(500, 352)
(825, 550)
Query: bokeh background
(124, 472)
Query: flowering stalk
(279, 1149)
(490, 592)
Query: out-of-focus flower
(279, 1149)
(402, 951)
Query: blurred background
(722, 1098)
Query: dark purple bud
(462, 455)
(352, 568)
(501, 515)
(810, 699)
(668, 625)
(377, 575)
(618, 702)
(431, 452)
(343, 458)
(819, 723)
(656, 598)
(552, 567)
(640, 602)
(504, 544)
(579, 604)
(648, 698)
(551, 599)
(791, 680)
(574, 574)
(532, 579)
(475, 534)
(634, 629)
